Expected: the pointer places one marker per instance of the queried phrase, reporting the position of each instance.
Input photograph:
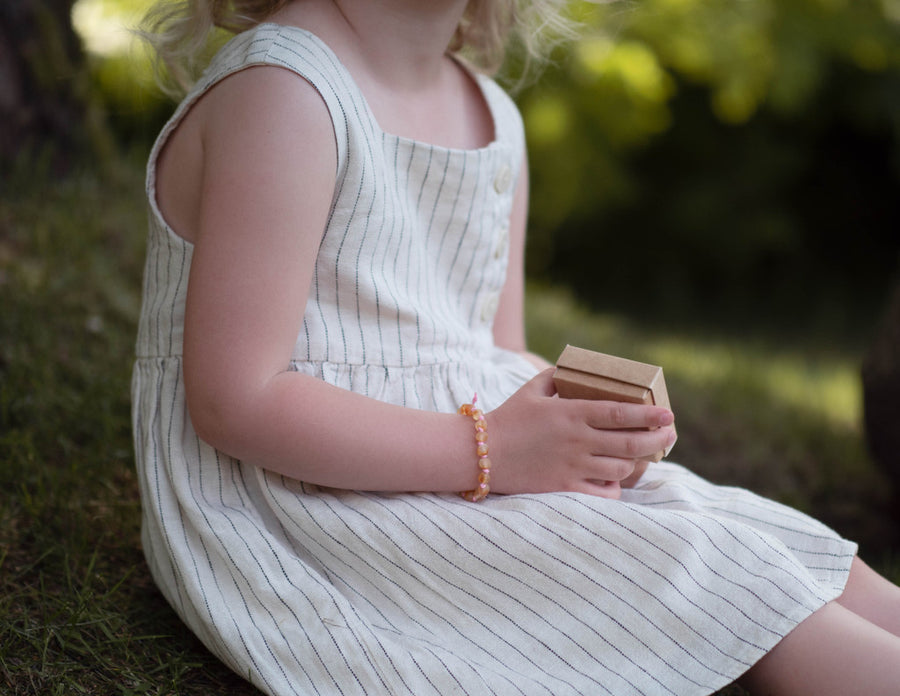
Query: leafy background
(722, 157)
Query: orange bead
(481, 448)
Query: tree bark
(46, 106)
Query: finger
(602, 489)
(543, 382)
(640, 467)
(632, 444)
(614, 415)
(601, 469)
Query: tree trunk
(46, 106)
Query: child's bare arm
(268, 177)
(268, 180)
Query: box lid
(630, 372)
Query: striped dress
(677, 588)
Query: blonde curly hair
(180, 32)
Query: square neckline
(479, 80)
(482, 82)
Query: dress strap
(283, 46)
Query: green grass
(78, 612)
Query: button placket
(503, 179)
(489, 307)
(500, 245)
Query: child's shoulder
(243, 116)
(272, 66)
(270, 75)
(268, 44)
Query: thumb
(542, 383)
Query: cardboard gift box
(586, 374)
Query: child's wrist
(482, 451)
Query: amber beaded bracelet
(480, 492)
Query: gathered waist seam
(437, 364)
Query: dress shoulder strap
(284, 46)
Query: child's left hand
(640, 466)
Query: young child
(334, 267)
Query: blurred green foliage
(722, 158)
(122, 66)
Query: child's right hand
(541, 443)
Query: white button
(502, 241)
(489, 308)
(503, 179)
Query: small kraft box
(586, 374)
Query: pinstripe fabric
(676, 589)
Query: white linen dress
(677, 588)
